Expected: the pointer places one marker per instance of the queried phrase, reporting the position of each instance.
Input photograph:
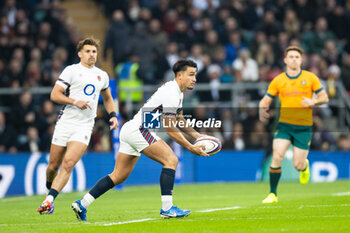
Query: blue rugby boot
(79, 210)
(174, 212)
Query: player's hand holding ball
(198, 150)
(210, 145)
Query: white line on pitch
(279, 217)
(126, 222)
(302, 206)
(308, 206)
(150, 219)
(116, 223)
(219, 209)
(341, 194)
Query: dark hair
(88, 41)
(181, 65)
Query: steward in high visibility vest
(127, 77)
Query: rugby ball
(212, 144)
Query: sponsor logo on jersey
(89, 89)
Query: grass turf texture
(301, 208)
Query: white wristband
(75, 101)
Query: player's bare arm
(57, 96)
(187, 130)
(264, 106)
(178, 137)
(110, 108)
(321, 98)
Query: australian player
(78, 88)
(295, 88)
(136, 139)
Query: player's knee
(68, 165)
(171, 161)
(277, 158)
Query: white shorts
(134, 139)
(65, 133)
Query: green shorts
(299, 135)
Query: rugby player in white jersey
(135, 139)
(78, 88)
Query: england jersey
(81, 83)
(167, 100)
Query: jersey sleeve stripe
(61, 80)
(159, 108)
(272, 96)
(319, 90)
(169, 114)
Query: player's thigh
(75, 150)
(299, 156)
(61, 134)
(279, 147)
(124, 165)
(283, 131)
(133, 139)
(162, 153)
(81, 134)
(56, 156)
(302, 136)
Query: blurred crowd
(232, 41)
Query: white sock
(167, 202)
(87, 200)
(49, 198)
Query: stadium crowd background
(231, 40)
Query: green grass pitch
(315, 207)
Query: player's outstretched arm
(108, 102)
(58, 97)
(178, 137)
(264, 106)
(187, 130)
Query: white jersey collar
(177, 86)
(81, 65)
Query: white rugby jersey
(167, 100)
(81, 83)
